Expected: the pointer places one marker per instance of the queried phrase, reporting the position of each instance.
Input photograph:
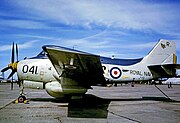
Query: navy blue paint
(123, 62)
(112, 73)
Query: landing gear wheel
(21, 99)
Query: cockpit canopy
(41, 55)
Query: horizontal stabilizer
(164, 70)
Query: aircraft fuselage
(42, 70)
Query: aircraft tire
(21, 99)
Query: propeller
(12, 65)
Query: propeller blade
(12, 83)
(5, 69)
(17, 52)
(12, 58)
(12, 73)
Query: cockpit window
(42, 54)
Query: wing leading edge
(80, 68)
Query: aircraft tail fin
(164, 52)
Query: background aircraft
(65, 72)
(172, 81)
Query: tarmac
(121, 104)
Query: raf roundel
(115, 72)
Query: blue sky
(123, 28)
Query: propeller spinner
(12, 65)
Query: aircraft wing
(165, 70)
(78, 68)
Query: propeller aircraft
(12, 65)
(65, 72)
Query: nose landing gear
(22, 98)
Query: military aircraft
(65, 72)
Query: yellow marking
(26, 101)
(174, 59)
(13, 65)
(16, 101)
(125, 77)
